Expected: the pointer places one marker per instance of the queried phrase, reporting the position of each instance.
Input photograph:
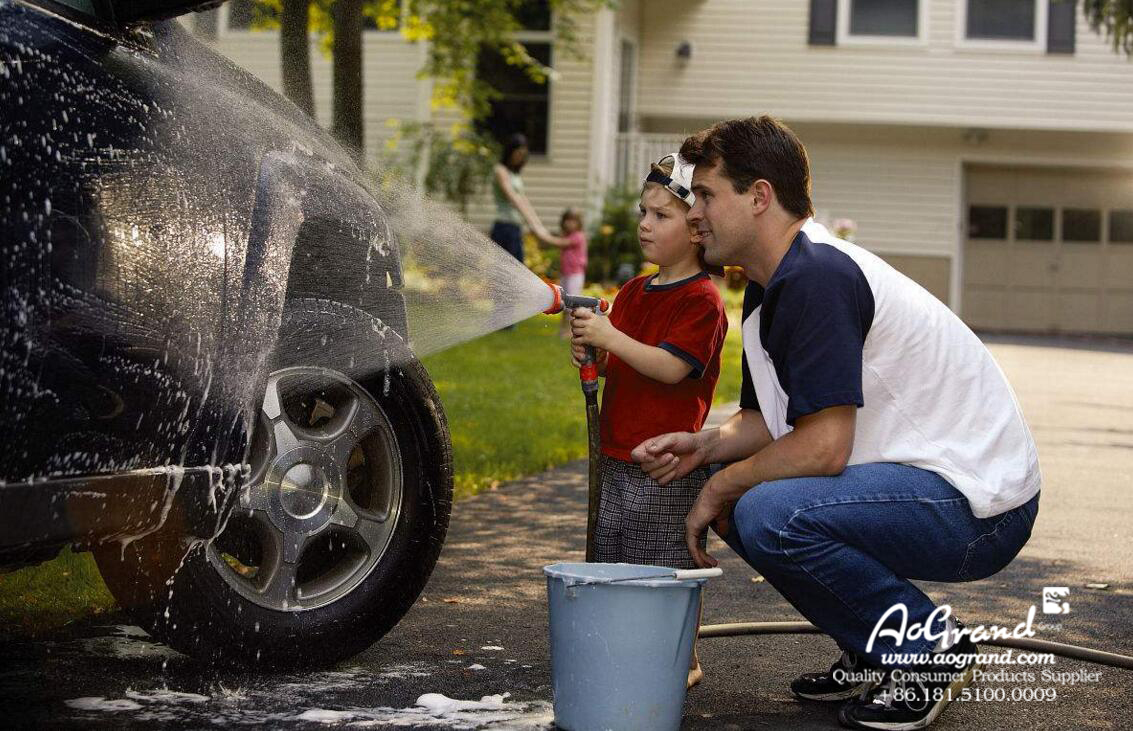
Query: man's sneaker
(847, 677)
(914, 698)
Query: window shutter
(1060, 26)
(823, 17)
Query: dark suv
(204, 375)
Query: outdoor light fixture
(684, 51)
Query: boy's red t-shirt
(685, 318)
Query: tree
(294, 20)
(1113, 19)
(347, 119)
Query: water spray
(588, 376)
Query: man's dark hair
(752, 149)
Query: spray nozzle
(588, 369)
(562, 301)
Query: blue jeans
(843, 549)
(509, 236)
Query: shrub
(614, 254)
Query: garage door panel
(1119, 312)
(985, 263)
(984, 307)
(1119, 267)
(1029, 309)
(1031, 265)
(1080, 266)
(1048, 249)
(1078, 311)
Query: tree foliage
(1113, 19)
(453, 163)
(456, 31)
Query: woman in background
(512, 207)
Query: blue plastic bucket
(620, 652)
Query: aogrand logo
(918, 630)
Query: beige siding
(390, 66)
(754, 57)
(630, 14)
(901, 192)
(899, 185)
(934, 273)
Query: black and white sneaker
(849, 676)
(914, 698)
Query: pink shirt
(573, 257)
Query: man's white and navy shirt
(836, 325)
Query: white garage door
(1049, 250)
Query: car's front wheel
(340, 523)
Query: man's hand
(589, 328)
(710, 509)
(670, 456)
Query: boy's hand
(578, 352)
(669, 456)
(591, 329)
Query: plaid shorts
(641, 521)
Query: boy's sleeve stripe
(697, 366)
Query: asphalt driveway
(479, 633)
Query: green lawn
(514, 408)
(43, 597)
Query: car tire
(212, 602)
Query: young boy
(659, 350)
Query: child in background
(659, 351)
(572, 258)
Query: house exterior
(983, 147)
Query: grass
(41, 598)
(514, 408)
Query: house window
(1081, 225)
(524, 104)
(1121, 227)
(1001, 20)
(883, 18)
(534, 15)
(1034, 224)
(987, 222)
